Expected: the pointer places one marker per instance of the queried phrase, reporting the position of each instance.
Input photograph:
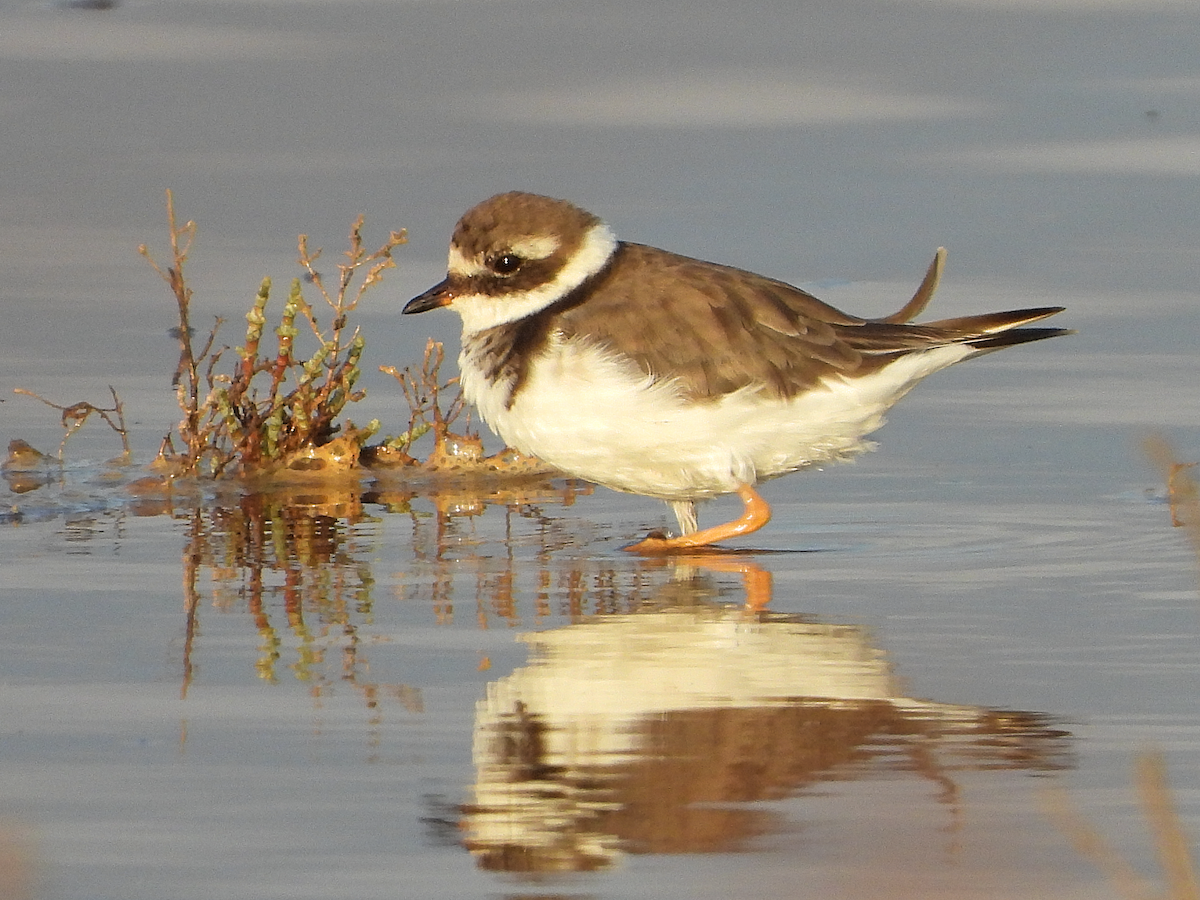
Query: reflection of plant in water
(270, 553)
(291, 560)
(18, 862)
(1170, 839)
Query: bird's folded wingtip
(924, 293)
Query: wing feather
(715, 329)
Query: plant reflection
(246, 546)
(299, 548)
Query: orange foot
(756, 514)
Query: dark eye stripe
(532, 275)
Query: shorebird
(656, 374)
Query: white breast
(597, 417)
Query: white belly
(599, 418)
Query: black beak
(438, 295)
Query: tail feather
(1017, 336)
(985, 332)
(991, 323)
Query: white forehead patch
(536, 246)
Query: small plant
(275, 404)
(76, 415)
(430, 413)
(1183, 495)
(423, 390)
(276, 413)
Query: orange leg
(757, 581)
(756, 514)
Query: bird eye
(505, 264)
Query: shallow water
(349, 695)
(420, 691)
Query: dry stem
(1170, 839)
(423, 393)
(1182, 492)
(76, 415)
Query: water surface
(413, 691)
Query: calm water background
(216, 698)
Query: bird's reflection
(651, 732)
(654, 722)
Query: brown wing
(716, 329)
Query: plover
(657, 374)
